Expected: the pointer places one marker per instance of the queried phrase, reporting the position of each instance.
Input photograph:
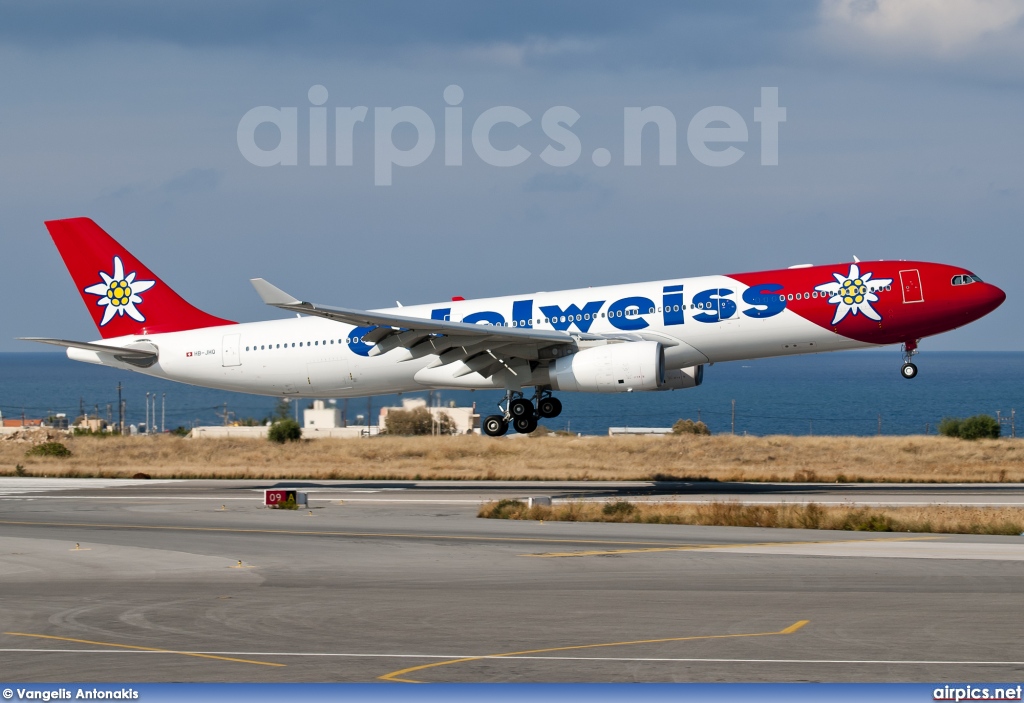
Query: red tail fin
(123, 296)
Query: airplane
(652, 336)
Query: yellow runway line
(700, 547)
(395, 675)
(143, 649)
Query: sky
(902, 140)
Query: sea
(839, 393)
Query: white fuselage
(315, 357)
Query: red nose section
(123, 296)
(990, 297)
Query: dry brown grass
(721, 458)
(925, 518)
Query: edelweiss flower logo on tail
(120, 293)
(853, 293)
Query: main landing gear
(522, 414)
(909, 370)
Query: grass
(686, 457)
(925, 518)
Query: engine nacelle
(690, 377)
(612, 368)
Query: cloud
(196, 180)
(938, 29)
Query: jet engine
(611, 368)
(690, 377)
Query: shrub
(49, 449)
(507, 509)
(418, 421)
(619, 510)
(282, 411)
(975, 427)
(19, 470)
(690, 427)
(287, 504)
(284, 431)
(979, 427)
(181, 431)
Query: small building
(661, 431)
(26, 422)
(91, 424)
(466, 420)
(321, 417)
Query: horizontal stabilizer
(129, 355)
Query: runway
(135, 581)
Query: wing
(483, 349)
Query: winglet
(271, 294)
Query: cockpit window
(965, 279)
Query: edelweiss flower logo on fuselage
(120, 293)
(853, 293)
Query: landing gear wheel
(494, 426)
(549, 407)
(909, 370)
(520, 407)
(524, 425)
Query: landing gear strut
(521, 413)
(909, 370)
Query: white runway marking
(13, 485)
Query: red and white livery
(634, 337)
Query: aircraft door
(728, 310)
(911, 284)
(230, 353)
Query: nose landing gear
(909, 370)
(522, 414)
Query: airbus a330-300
(653, 336)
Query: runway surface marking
(362, 655)
(143, 649)
(396, 675)
(314, 533)
(696, 547)
(926, 502)
(631, 547)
